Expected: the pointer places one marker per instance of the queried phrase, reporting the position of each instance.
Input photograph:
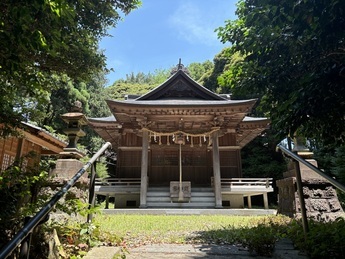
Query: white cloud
(194, 24)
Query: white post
(144, 166)
(265, 200)
(249, 199)
(216, 170)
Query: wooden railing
(117, 181)
(228, 182)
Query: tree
(294, 58)
(197, 70)
(220, 63)
(41, 38)
(155, 78)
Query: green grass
(145, 229)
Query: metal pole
(312, 167)
(301, 199)
(91, 191)
(17, 239)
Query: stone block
(67, 168)
(330, 192)
(320, 205)
(320, 199)
(334, 205)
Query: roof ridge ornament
(178, 67)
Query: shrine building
(179, 146)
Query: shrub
(18, 197)
(324, 239)
(262, 237)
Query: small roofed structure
(179, 136)
(30, 139)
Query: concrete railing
(117, 181)
(229, 182)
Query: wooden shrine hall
(179, 146)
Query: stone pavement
(103, 252)
(283, 250)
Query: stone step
(202, 199)
(202, 194)
(167, 194)
(199, 199)
(193, 189)
(202, 189)
(180, 205)
(158, 194)
(158, 199)
(103, 252)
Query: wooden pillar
(21, 142)
(216, 170)
(249, 200)
(144, 166)
(265, 200)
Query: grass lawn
(145, 229)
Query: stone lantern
(75, 120)
(69, 162)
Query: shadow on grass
(259, 239)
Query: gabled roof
(179, 103)
(50, 144)
(178, 86)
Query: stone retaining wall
(320, 196)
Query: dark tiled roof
(103, 119)
(180, 82)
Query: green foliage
(97, 107)
(330, 159)
(18, 197)
(338, 170)
(143, 229)
(156, 78)
(120, 88)
(293, 57)
(198, 70)
(260, 159)
(101, 166)
(338, 164)
(262, 237)
(259, 235)
(210, 79)
(324, 239)
(136, 84)
(78, 237)
(42, 38)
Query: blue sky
(160, 32)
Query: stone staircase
(201, 197)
